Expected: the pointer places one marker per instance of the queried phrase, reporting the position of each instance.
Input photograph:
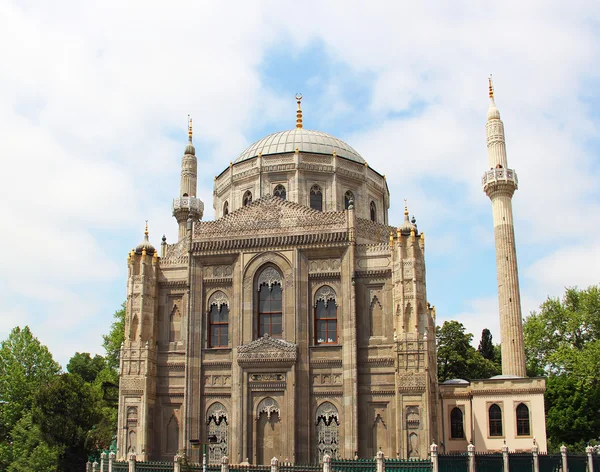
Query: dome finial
(405, 208)
(493, 113)
(299, 112)
(190, 128)
(491, 87)
(146, 230)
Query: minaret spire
(499, 184)
(187, 204)
(299, 112)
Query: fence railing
(460, 462)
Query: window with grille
(495, 420)
(457, 430)
(326, 322)
(218, 326)
(269, 310)
(316, 198)
(523, 420)
(280, 192)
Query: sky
(94, 99)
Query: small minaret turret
(499, 184)
(187, 204)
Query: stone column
(111, 461)
(536, 460)
(565, 463)
(274, 464)
(177, 463)
(224, 464)
(379, 461)
(131, 460)
(471, 453)
(589, 451)
(326, 463)
(433, 449)
(95, 467)
(505, 458)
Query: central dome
(305, 140)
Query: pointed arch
(135, 324)
(325, 320)
(376, 317)
(247, 198)
(280, 192)
(270, 302)
(523, 423)
(226, 208)
(373, 211)
(172, 435)
(218, 320)
(495, 420)
(349, 200)
(217, 432)
(268, 435)
(328, 431)
(175, 324)
(316, 198)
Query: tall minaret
(187, 204)
(500, 183)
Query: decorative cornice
(172, 284)
(270, 241)
(326, 362)
(217, 364)
(267, 350)
(369, 274)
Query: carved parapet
(268, 350)
(499, 180)
(185, 205)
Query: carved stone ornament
(325, 294)
(328, 411)
(267, 349)
(216, 411)
(268, 406)
(270, 276)
(218, 298)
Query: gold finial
(146, 230)
(405, 208)
(334, 153)
(391, 239)
(299, 112)
(190, 128)
(491, 86)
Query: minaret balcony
(188, 205)
(500, 176)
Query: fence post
(274, 464)
(326, 463)
(177, 463)
(111, 461)
(380, 461)
(505, 458)
(103, 458)
(536, 460)
(471, 454)
(589, 451)
(563, 453)
(434, 456)
(131, 462)
(95, 467)
(88, 466)
(224, 464)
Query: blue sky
(95, 98)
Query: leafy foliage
(562, 341)
(114, 339)
(87, 368)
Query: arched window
(373, 212)
(457, 430)
(225, 208)
(218, 320)
(216, 419)
(348, 199)
(247, 199)
(523, 420)
(280, 192)
(328, 435)
(316, 198)
(270, 303)
(325, 316)
(172, 436)
(495, 420)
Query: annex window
(216, 419)
(348, 199)
(218, 320)
(225, 208)
(373, 212)
(457, 430)
(280, 192)
(270, 303)
(328, 431)
(316, 198)
(247, 199)
(523, 420)
(495, 420)
(325, 316)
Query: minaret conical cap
(493, 112)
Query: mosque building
(297, 324)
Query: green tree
(486, 346)
(114, 339)
(66, 410)
(562, 341)
(30, 451)
(85, 366)
(25, 366)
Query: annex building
(297, 323)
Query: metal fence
(289, 467)
(520, 462)
(550, 462)
(453, 463)
(399, 465)
(120, 467)
(154, 466)
(352, 465)
(249, 468)
(596, 462)
(489, 462)
(577, 463)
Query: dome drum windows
(373, 210)
(280, 192)
(225, 208)
(247, 198)
(218, 320)
(325, 322)
(316, 198)
(349, 200)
